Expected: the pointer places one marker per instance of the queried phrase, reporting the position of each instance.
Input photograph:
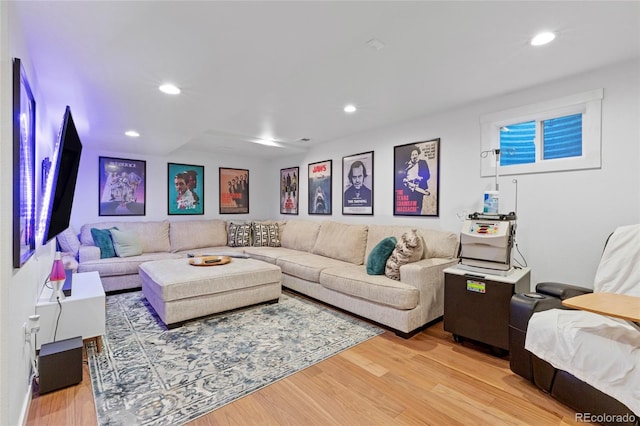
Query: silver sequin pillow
(408, 249)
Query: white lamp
(57, 278)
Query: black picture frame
(289, 190)
(357, 184)
(191, 179)
(234, 190)
(416, 180)
(24, 151)
(122, 187)
(320, 175)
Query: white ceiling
(286, 69)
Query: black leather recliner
(563, 386)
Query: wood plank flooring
(426, 380)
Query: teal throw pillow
(126, 244)
(102, 239)
(379, 255)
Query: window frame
(589, 104)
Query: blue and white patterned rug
(148, 375)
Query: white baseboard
(24, 413)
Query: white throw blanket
(601, 351)
(619, 268)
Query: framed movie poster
(289, 190)
(234, 191)
(357, 184)
(186, 189)
(416, 182)
(122, 187)
(320, 187)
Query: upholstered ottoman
(179, 291)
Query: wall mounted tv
(24, 149)
(60, 191)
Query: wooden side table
(83, 313)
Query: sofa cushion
(265, 235)
(117, 266)
(192, 234)
(239, 235)
(354, 281)
(299, 234)
(126, 243)
(408, 249)
(154, 235)
(102, 239)
(342, 241)
(270, 254)
(306, 266)
(69, 242)
(377, 259)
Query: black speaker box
(60, 364)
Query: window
(563, 134)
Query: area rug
(148, 375)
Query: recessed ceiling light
(542, 38)
(169, 89)
(132, 133)
(268, 142)
(350, 108)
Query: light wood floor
(428, 379)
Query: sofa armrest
(70, 262)
(88, 253)
(560, 290)
(428, 277)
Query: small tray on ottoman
(209, 260)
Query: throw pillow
(266, 235)
(239, 235)
(126, 244)
(408, 249)
(69, 242)
(102, 239)
(377, 259)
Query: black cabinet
(476, 306)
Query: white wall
(19, 288)
(85, 204)
(564, 218)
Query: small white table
(83, 313)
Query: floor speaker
(60, 364)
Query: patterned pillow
(408, 249)
(266, 235)
(239, 235)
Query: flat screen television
(63, 182)
(24, 149)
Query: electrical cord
(46, 283)
(55, 332)
(36, 374)
(524, 261)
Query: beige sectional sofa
(323, 260)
